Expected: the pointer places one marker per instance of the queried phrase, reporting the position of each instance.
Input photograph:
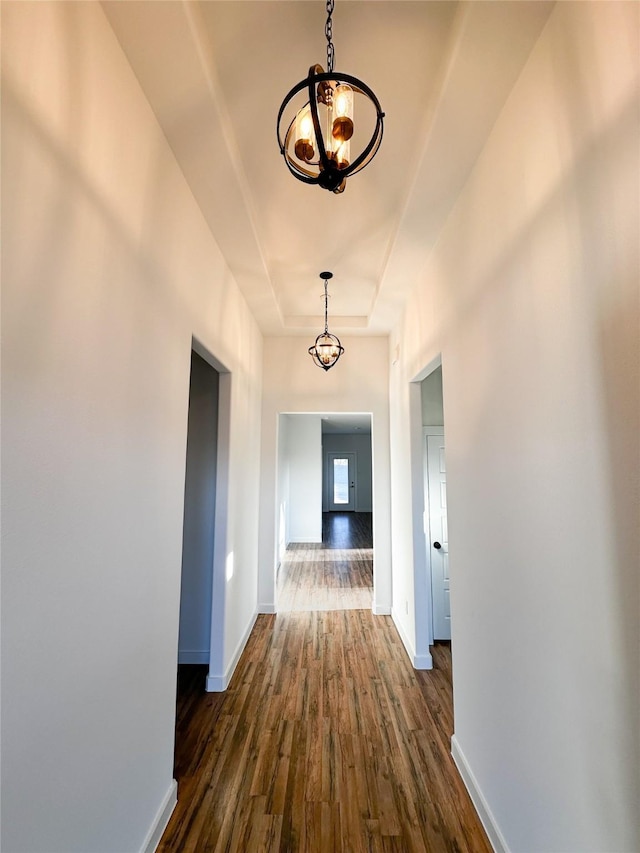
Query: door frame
(353, 499)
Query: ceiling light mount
(316, 145)
(327, 348)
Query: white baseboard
(303, 540)
(417, 661)
(193, 656)
(216, 684)
(481, 806)
(267, 608)
(405, 640)
(423, 661)
(380, 610)
(219, 683)
(161, 819)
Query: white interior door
(438, 543)
(342, 483)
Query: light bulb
(304, 134)
(342, 128)
(342, 153)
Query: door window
(340, 481)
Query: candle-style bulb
(342, 129)
(304, 135)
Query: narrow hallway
(327, 739)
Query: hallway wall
(304, 455)
(531, 296)
(108, 270)
(359, 383)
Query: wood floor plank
(327, 740)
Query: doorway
(196, 588)
(347, 463)
(324, 511)
(435, 502)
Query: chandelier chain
(326, 319)
(328, 31)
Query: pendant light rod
(326, 276)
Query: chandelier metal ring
(328, 150)
(311, 83)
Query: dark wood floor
(326, 740)
(347, 530)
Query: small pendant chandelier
(317, 143)
(327, 349)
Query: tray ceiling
(215, 74)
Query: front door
(342, 484)
(438, 543)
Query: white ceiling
(336, 423)
(215, 74)
(346, 424)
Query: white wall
(531, 296)
(361, 446)
(304, 451)
(358, 383)
(108, 271)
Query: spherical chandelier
(327, 349)
(316, 144)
